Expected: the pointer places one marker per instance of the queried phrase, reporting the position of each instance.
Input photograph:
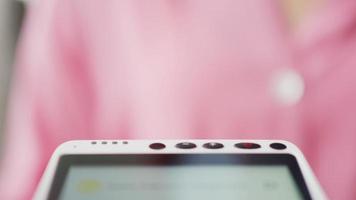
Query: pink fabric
(181, 69)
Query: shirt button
(287, 87)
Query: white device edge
(142, 147)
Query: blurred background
(11, 16)
(178, 69)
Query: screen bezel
(66, 161)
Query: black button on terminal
(213, 145)
(247, 145)
(157, 146)
(278, 146)
(186, 145)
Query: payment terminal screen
(144, 180)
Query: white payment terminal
(178, 170)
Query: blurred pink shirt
(182, 69)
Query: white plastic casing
(142, 147)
